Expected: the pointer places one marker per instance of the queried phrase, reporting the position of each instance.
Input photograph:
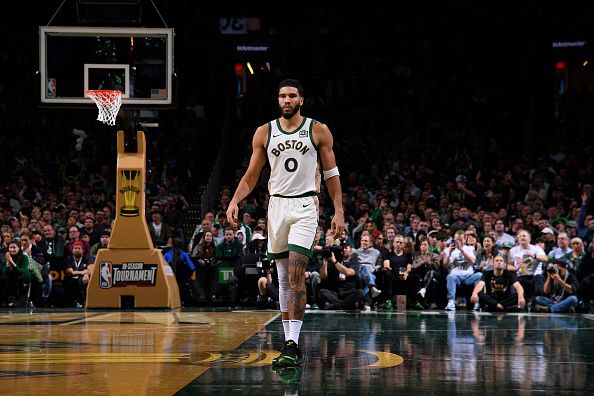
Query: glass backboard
(136, 61)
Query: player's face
(289, 101)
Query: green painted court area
(420, 353)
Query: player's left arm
(325, 142)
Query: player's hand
(337, 224)
(521, 302)
(232, 214)
(474, 298)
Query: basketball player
(292, 144)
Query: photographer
(267, 283)
(560, 289)
(340, 287)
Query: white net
(108, 103)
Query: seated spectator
(102, 244)
(495, 291)
(74, 235)
(369, 260)
(180, 262)
(258, 245)
(425, 272)
(577, 255)
(79, 270)
(560, 289)
(527, 261)
(312, 281)
(183, 268)
(206, 249)
(396, 271)
(562, 250)
(459, 258)
(584, 273)
(160, 232)
(15, 277)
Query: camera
(552, 270)
(327, 251)
(263, 266)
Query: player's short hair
(289, 82)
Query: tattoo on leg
(298, 297)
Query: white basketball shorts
(292, 225)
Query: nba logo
(105, 275)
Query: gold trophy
(131, 273)
(130, 180)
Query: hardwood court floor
(222, 353)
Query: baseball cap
(258, 236)
(432, 232)
(78, 243)
(571, 223)
(216, 224)
(62, 229)
(460, 178)
(547, 230)
(507, 245)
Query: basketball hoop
(108, 103)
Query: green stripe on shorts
(281, 255)
(300, 249)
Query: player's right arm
(250, 178)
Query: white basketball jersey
(293, 158)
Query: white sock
(286, 328)
(295, 329)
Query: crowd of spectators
(429, 142)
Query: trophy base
(132, 278)
(129, 211)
